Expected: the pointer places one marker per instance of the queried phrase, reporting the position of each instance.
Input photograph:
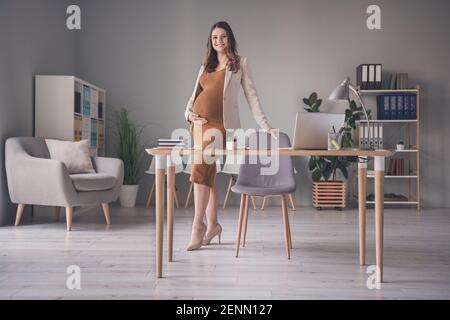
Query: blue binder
(86, 101)
(400, 107)
(406, 106)
(380, 108)
(393, 107)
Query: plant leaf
(316, 175)
(312, 163)
(313, 98)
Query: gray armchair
(35, 179)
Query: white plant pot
(128, 194)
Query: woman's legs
(201, 197)
(211, 209)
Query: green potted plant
(327, 191)
(131, 152)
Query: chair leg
(245, 220)
(150, 194)
(291, 200)
(69, 214)
(191, 186)
(19, 213)
(230, 181)
(57, 214)
(253, 202)
(286, 226)
(105, 207)
(177, 203)
(264, 203)
(289, 229)
(239, 229)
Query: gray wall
(34, 40)
(147, 53)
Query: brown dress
(209, 105)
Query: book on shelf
(369, 76)
(93, 133)
(396, 167)
(389, 197)
(86, 128)
(397, 106)
(78, 97)
(399, 81)
(376, 135)
(86, 100)
(94, 103)
(78, 119)
(101, 134)
(100, 110)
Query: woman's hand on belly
(194, 117)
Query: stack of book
(396, 167)
(399, 81)
(171, 143)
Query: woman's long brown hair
(211, 61)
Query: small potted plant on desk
(327, 192)
(131, 153)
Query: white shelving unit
(72, 109)
(410, 131)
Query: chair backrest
(250, 173)
(35, 147)
(232, 164)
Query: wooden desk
(164, 157)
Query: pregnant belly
(210, 109)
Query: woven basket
(328, 194)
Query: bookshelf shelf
(389, 121)
(71, 109)
(412, 150)
(406, 130)
(396, 202)
(388, 91)
(394, 177)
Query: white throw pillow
(75, 155)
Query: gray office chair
(251, 182)
(34, 178)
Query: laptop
(312, 128)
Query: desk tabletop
(280, 151)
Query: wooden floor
(118, 261)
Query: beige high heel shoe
(196, 239)
(217, 231)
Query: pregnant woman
(214, 105)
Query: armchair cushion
(93, 181)
(75, 155)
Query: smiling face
(219, 40)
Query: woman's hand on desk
(193, 117)
(274, 133)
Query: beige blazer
(232, 84)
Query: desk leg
(379, 214)
(159, 185)
(170, 201)
(362, 183)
